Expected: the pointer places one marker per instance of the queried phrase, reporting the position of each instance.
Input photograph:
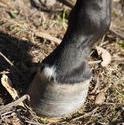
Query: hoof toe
(53, 99)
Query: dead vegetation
(28, 34)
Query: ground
(25, 39)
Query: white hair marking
(49, 72)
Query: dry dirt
(21, 23)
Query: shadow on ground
(17, 51)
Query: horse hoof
(52, 99)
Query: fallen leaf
(100, 98)
(48, 37)
(7, 83)
(106, 57)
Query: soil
(20, 22)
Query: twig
(6, 59)
(33, 123)
(117, 58)
(95, 62)
(34, 116)
(48, 37)
(114, 58)
(107, 103)
(116, 33)
(9, 106)
(8, 114)
(4, 72)
(85, 115)
(67, 3)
